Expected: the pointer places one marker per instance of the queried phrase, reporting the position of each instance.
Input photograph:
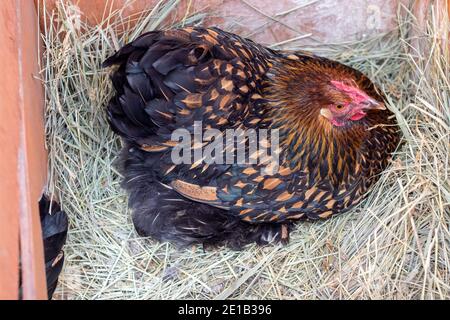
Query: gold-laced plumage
(167, 80)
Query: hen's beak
(373, 104)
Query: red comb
(356, 94)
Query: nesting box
(23, 163)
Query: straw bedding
(395, 245)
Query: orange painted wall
(35, 155)
(9, 144)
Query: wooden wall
(23, 163)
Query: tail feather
(154, 67)
(134, 88)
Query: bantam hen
(335, 136)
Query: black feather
(141, 85)
(181, 80)
(133, 107)
(170, 61)
(54, 226)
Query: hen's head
(346, 103)
(323, 92)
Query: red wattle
(358, 116)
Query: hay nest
(395, 244)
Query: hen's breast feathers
(166, 80)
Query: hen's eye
(339, 106)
